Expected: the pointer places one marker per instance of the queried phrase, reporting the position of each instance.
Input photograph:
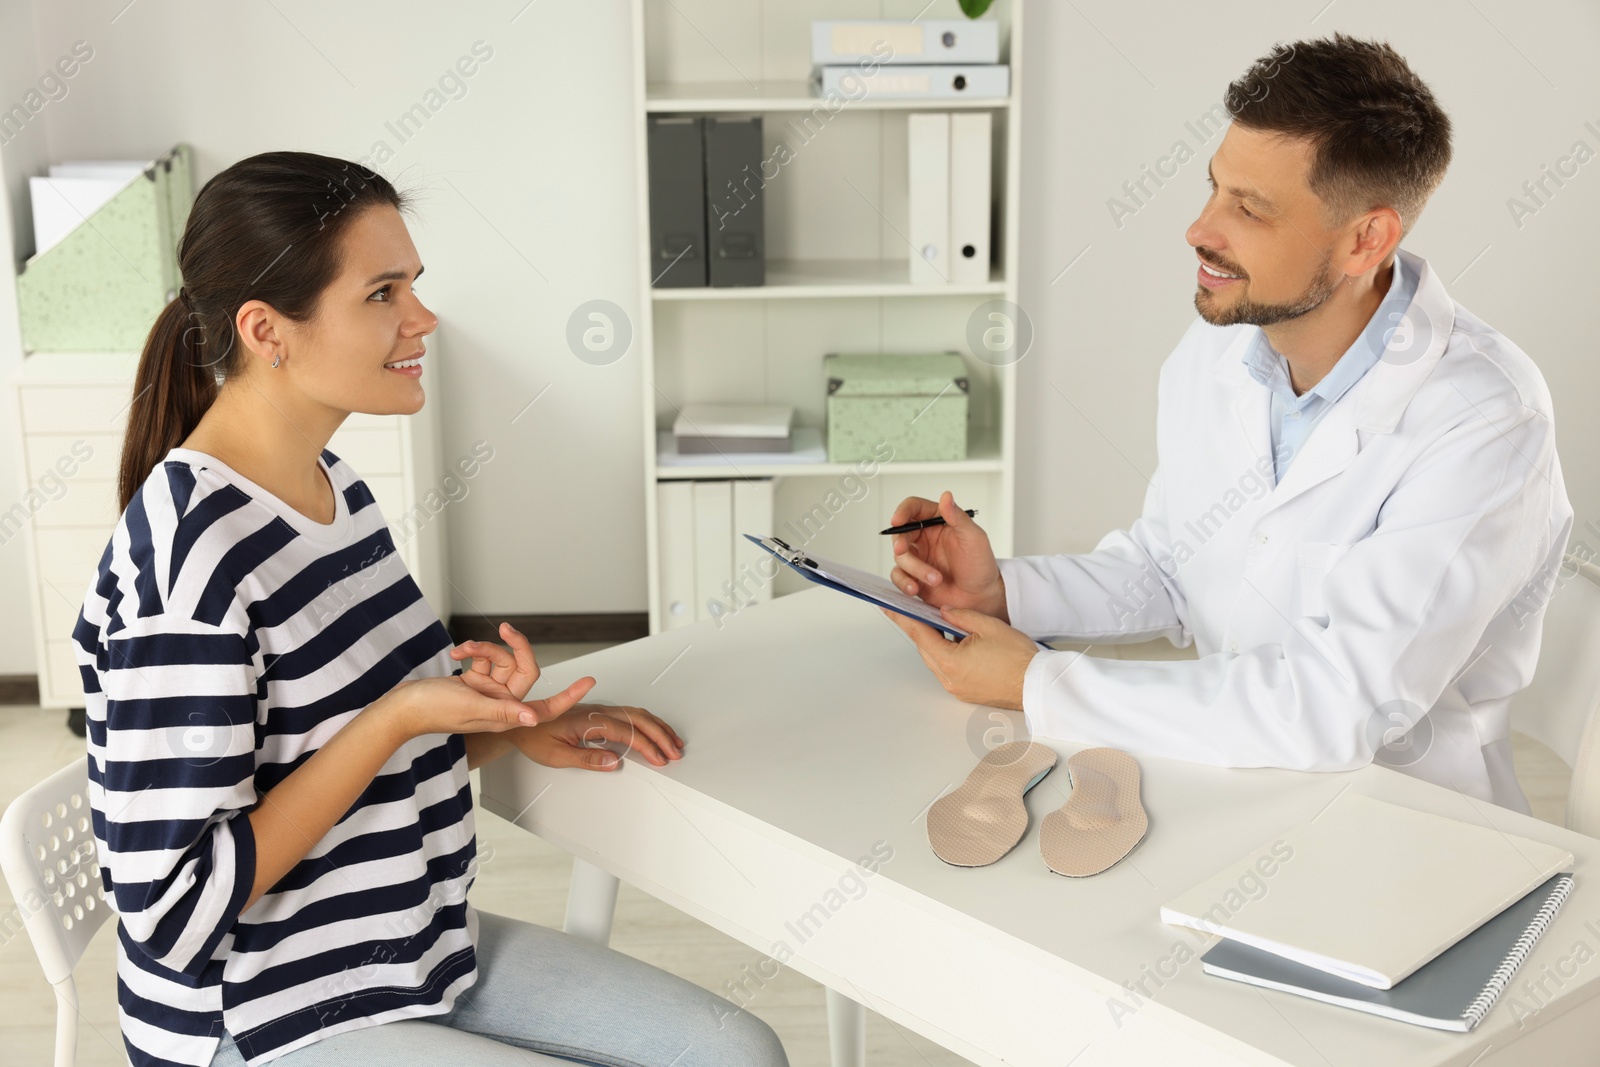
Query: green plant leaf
(974, 8)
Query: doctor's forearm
(1268, 707)
(1093, 597)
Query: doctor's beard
(1251, 313)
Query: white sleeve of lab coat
(1125, 590)
(1455, 543)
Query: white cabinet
(69, 411)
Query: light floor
(525, 878)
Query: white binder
(752, 510)
(927, 41)
(928, 150)
(970, 165)
(702, 561)
(675, 545)
(953, 81)
(713, 544)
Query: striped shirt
(224, 639)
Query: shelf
(827, 278)
(983, 456)
(837, 278)
(791, 96)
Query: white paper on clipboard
(883, 591)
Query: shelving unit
(838, 271)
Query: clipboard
(879, 592)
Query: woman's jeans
(549, 992)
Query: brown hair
(267, 228)
(1380, 139)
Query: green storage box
(917, 403)
(101, 288)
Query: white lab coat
(1385, 600)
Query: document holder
(101, 287)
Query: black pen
(913, 527)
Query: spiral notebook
(1454, 992)
(1369, 891)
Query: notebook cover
(1453, 992)
(1369, 890)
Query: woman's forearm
(486, 748)
(299, 811)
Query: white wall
(529, 174)
(24, 154)
(524, 210)
(1109, 91)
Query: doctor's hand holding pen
(947, 565)
(951, 565)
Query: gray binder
(1454, 991)
(734, 203)
(676, 149)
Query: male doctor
(1358, 513)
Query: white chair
(1558, 707)
(48, 855)
(47, 852)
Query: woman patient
(279, 776)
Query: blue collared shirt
(1294, 417)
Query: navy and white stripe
(224, 638)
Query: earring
(275, 360)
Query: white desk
(813, 732)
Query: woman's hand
(449, 705)
(573, 740)
(497, 671)
(509, 674)
(950, 565)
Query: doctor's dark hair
(1379, 138)
(267, 228)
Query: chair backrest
(1558, 706)
(47, 852)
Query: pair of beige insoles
(984, 818)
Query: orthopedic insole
(1103, 818)
(984, 818)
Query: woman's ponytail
(233, 250)
(174, 386)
